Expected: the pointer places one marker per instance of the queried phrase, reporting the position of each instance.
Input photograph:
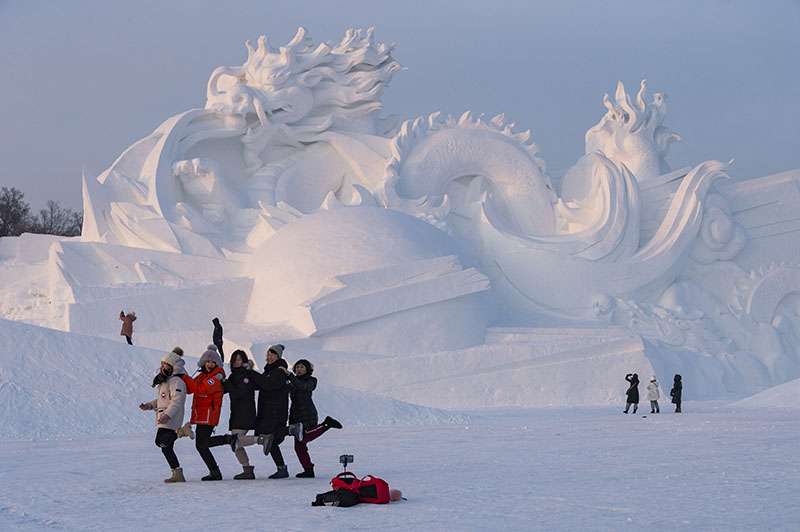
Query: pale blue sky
(82, 80)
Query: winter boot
(296, 430)
(234, 441)
(635, 408)
(247, 474)
(214, 474)
(627, 406)
(266, 441)
(177, 476)
(308, 472)
(677, 410)
(282, 472)
(185, 431)
(331, 423)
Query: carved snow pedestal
(423, 256)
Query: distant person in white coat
(652, 395)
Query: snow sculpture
(290, 147)
(631, 133)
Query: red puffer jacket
(207, 401)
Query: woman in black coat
(241, 388)
(273, 407)
(676, 392)
(632, 392)
(302, 385)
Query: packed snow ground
(714, 467)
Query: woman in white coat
(169, 408)
(652, 395)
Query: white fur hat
(210, 354)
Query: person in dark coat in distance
(241, 388)
(632, 392)
(216, 337)
(676, 392)
(303, 411)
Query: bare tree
(14, 212)
(57, 220)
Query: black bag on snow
(338, 497)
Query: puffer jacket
(127, 324)
(633, 389)
(170, 401)
(677, 390)
(207, 401)
(303, 408)
(241, 388)
(273, 398)
(652, 391)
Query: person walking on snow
(652, 395)
(303, 412)
(168, 407)
(632, 392)
(206, 404)
(216, 338)
(676, 392)
(127, 325)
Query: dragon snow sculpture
(297, 129)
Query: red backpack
(370, 489)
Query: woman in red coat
(206, 404)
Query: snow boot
(266, 441)
(635, 408)
(282, 472)
(247, 474)
(677, 410)
(296, 430)
(234, 441)
(214, 474)
(331, 423)
(177, 476)
(185, 431)
(308, 472)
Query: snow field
(712, 468)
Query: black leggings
(204, 441)
(165, 438)
(275, 450)
(128, 338)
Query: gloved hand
(145, 406)
(163, 419)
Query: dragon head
(309, 88)
(631, 133)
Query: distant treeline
(16, 217)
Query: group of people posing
(632, 393)
(268, 420)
